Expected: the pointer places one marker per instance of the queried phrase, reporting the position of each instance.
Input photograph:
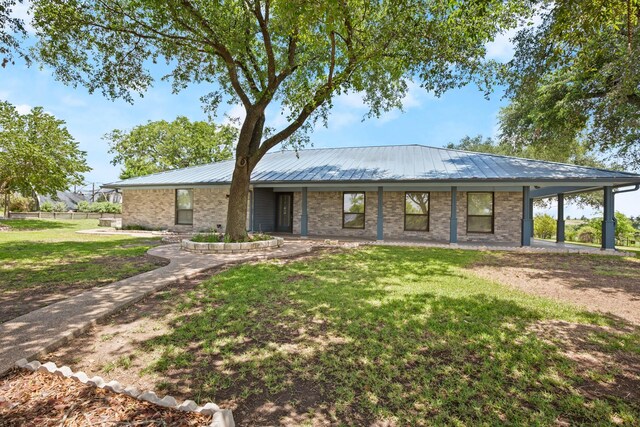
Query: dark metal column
(453, 221)
(608, 223)
(531, 216)
(527, 222)
(304, 218)
(380, 231)
(560, 220)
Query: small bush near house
(217, 238)
(99, 207)
(544, 226)
(140, 227)
(53, 207)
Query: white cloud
(23, 108)
(501, 48)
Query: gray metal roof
(392, 163)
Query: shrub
(544, 226)
(139, 227)
(218, 237)
(19, 203)
(83, 206)
(46, 207)
(99, 207)
(587, 234)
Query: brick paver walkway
(43, 330)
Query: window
(353, 210)
(416, 211)
(184, 207)
(480, 212)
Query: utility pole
(93, 192)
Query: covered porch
(285, 210)
(608, 241)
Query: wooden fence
(63, 215)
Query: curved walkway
(43, 330)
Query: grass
(43, 261)
(37, 253)
(398, 335)
(632, 249)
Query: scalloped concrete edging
(230, 248)
(220, 417)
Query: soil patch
(15, 303)
(42, 399)
(600, 283)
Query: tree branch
(266, 38)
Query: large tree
(12, 30)
(159, 146)
(295, 55)
(37, 153)
(576, 76)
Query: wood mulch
(43, 399)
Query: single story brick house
(411, 192)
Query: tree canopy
(159, 146)
(576, 76)
(12, 29)
(296, 54)
(37, 153)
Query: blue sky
(426, 120)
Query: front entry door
(284, 213)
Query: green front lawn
(44, 259)
(399, 335)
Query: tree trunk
(246, 159)
(237, 209)
(7, 202)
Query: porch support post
(608, 223)
(560, 220)
(527, 222)
(304, 218)
(531, 216)
(453, 220)
(380, 230)
(252, 209)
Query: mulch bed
(43, 399)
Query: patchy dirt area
(608, 284)
(14, 303)
(605, 372)
(42, 399)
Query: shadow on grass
(36, 224)
(35, 274)
(397, 335)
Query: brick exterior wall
(156, 208)
(325, 214)
(325, 217)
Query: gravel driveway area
(599, 283)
